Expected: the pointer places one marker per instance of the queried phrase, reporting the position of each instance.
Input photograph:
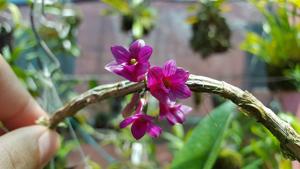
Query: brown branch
(287, 136)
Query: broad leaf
(203, 146)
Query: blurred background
(58, 49)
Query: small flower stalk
(166, 84)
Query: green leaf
(92, 83)
(178, 131)
(137, 30)
(15, 12)
(174, 142)
(3, 4)
(295, 2)
(191, 20)
(203, 146)
(119, 5)
(254, 165)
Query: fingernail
(48, 144)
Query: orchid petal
(122, 70)
(114, 67)
(139, 128)
(155, 84)
(171, 119)
(144, 54)
(180, 91)
(141, 70)
(154, 131)
(180, 118)
(127, 121)
(160, 92)
(155, 75)
(144, 116)
(169, 68)
(120, 53)
(119, 69)
(180, 76)
(163, 109)
(185, 109)
(136, 46)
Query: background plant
(210, 31)
(137, 17)
(279, 43)
(244, 143)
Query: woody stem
(289, 139)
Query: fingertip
(32, 147)
(48, 143)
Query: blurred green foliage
(202, 148)
(246, 144)
(22, 52)
(256, 145)
(137, 17)
(228, 158)
(13, 46)
(279, 44)
(61, 30)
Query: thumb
(28, 148)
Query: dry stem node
(288, 137)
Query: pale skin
(26, 145)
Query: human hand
(24, 147)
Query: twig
(92, 96)
(287, 136)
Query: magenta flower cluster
(166, 84)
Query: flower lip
(167, 82)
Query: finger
(18, 108)
(28, 148)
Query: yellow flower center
(133, 61)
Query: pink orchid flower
(168, 82)
(131, 64)
(141, 124)
(174, 113)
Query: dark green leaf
(203, 146)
